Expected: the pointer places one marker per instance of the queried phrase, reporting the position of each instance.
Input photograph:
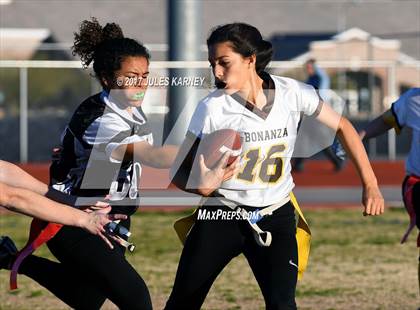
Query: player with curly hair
(102, 150)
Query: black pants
(211, 245)
(88, 273)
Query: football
(215, 144)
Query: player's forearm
(157, 157)
(164, 156)
(374, 128)
(354, 147)
(32, 204)
(146, 154)
(12, 175)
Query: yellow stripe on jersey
(303, 233)
(391, 120)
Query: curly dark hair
(105, 46)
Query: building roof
(18, 43)
(147, 20)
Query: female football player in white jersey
(266, 110)
(405, 112)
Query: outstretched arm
(12, 175)
(32, 204)
(149, 155)
(372, 198)
(378, 126)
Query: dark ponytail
(105, 46)
(264, 54)
(246, 40)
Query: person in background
(405, 112)
(320, 80)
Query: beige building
(368, 62)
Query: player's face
(130, 80)
(230, 69)
(309, 68)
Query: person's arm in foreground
(12, 175)
(372, 198)
(32, 204)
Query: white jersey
(268, 138)
(406, 111)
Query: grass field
(356, 263)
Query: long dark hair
(246, 40)
(106, 47)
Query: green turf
(356, 263)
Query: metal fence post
(392, 93)
(23, 114)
